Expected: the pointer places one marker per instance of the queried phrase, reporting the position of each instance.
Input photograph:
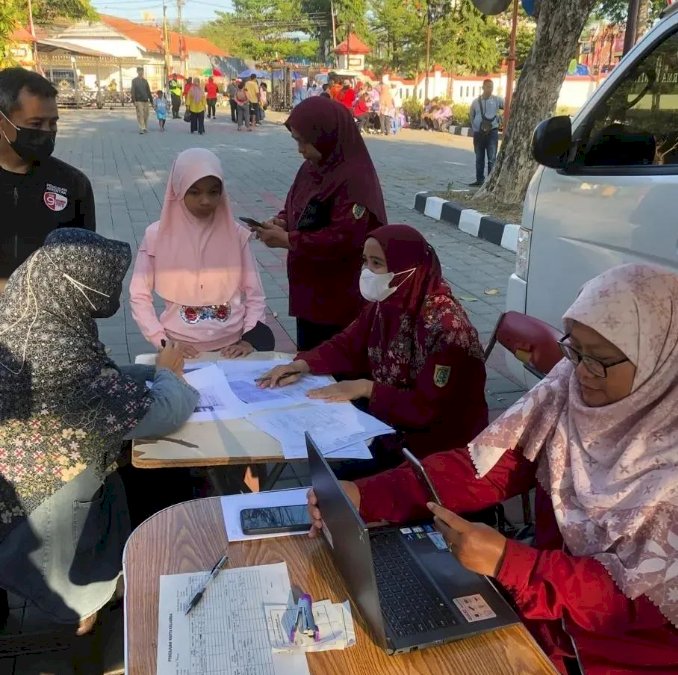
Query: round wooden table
(191, 536)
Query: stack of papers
(339, 429)
(334, 621)
(228, 391)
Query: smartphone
(422, 475)
(250, 221)
(272, 519)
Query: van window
(637, 124)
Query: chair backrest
(530, 340)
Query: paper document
(339, 429)
(217, 401)
(242, 378)
(334, 621)
(226, 633)
(232, 505)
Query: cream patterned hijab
(611, 472)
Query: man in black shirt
(38, 193)
(142, 99)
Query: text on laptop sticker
(474, 608)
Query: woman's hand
(171, 357)
(283, 375)
(477, 546)
(352, 492)
(273, 234)
(349, 390)
(242, 348)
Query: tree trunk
(559, 26)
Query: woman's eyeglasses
(593, 365)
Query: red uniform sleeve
(398, 495)
(553, 585)
(345, 354)
(344, 234)
(425, 402)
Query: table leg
(270, 480)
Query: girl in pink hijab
(598, 438)
(198, 260)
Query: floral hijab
(64, 405)
(611, 472)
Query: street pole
(31, 28)
(631, 25)
(428, 52)
(165, 46)
(334, 32)
(511, 70)
(180, 4)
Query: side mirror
(551, 141)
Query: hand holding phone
(250, 221)
(422, 475)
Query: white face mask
(376, 287)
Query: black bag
(486, 122)
(187, 116)
(315, 216)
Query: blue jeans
(485, 144)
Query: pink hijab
(612, 472)
(197, 263)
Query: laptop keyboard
(408, 604)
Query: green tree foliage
(260, 29)
(616, 11)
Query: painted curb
(461, 131)
(468, 220)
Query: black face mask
(32, 145)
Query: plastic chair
(535, 344)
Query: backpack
(486, 122)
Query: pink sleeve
(141, 298)
(255, 300)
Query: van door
(617, 199)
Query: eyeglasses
(593, 365)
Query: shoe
(476, 184)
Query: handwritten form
(227, 633)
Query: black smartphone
(272, 519)
(250, 221)
(422, 475)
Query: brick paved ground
(129, 172)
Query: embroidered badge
(54, 201)
(441, 376)
(358, 211)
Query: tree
(616, 11)
(260, 29)
(559, 25)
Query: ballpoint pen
(215, 571)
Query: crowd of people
(596, 438)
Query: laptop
(411, 591)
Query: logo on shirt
(54, 200)
(441, 376)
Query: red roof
(150, 37)
(21, 35)
(353, 42)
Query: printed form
(227, 632)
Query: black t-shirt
(52, 194)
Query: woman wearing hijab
(196, 104)
(334, 202)
(598, 438)
(386, 109)
(65, 409)
(412, 355)
(199, 261)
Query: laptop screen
(349, 541)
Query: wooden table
(214, 443)
(191, 536)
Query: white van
(606, 192)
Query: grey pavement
(129, 173)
